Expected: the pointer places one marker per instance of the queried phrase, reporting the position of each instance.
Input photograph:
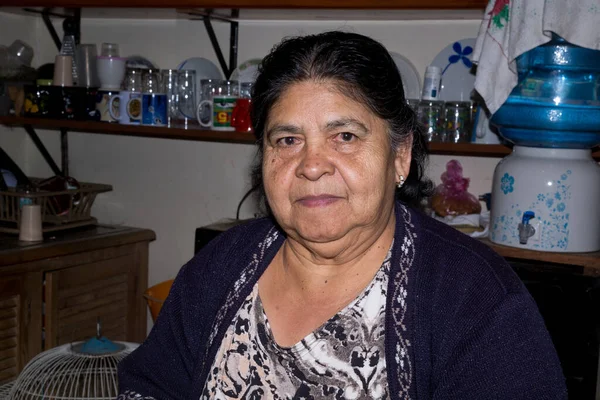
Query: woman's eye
(346, 137)
(287, 141)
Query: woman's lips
(321, 200)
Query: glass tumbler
(109, 50)
(431, 115)
(246, 90)
(151, 82)
(186, 91)
(133, 80)
(208, 88)
(457, 121)
(168, 78)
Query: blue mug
(154, 109)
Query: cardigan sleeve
(162, 366)
(507, 353)
(170, 363)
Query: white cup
(63, 71)
(30, 226)
(111, 72)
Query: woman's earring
(399, 184)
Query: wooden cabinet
(54, 292)
(20, 322)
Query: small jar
(432, 83)
(431, 116)
(457, 121)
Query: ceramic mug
(92, 113)
(240, 119)
(129, 107)
(42, 101)
(221, 107)
(154, 109)
(73, 103)
(103, 103)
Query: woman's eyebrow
(346, 123)
(283, 128)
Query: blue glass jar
(557, 100)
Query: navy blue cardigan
(459, 322)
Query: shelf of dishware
(196, 133)
(262, 14)
(259, 4)
(191, 132)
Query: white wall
(173, 186)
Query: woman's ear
(403, 158)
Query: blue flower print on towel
(560, 207)
(461, 55)
(506, 183)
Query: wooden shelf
(587, 263)
(469, 149)
(273, 4)
(192, 133)
(254, 14)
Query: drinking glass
(151, 82)
(431, 115)
(133, 80)
(169, 82)
(110, 50)
(246, 90)
(457, 121)
(208, 88)
(187, 95)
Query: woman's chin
(321, 233)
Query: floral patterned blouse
(342, 359)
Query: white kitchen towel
(513, 27)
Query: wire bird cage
(82, 370)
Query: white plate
(205, 69)
(411, 80)
(246, 71)
(455, 61)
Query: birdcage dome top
(81, 370)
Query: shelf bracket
(50, 27)
(76, 18)
(64, 151)
(42, 149)
(233, 40)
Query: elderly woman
(343, 292)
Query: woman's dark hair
(365, 72)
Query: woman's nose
(314, 163)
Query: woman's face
(329, 170)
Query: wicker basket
(53, 218)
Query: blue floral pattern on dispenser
(507, 183)
(548, 208)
